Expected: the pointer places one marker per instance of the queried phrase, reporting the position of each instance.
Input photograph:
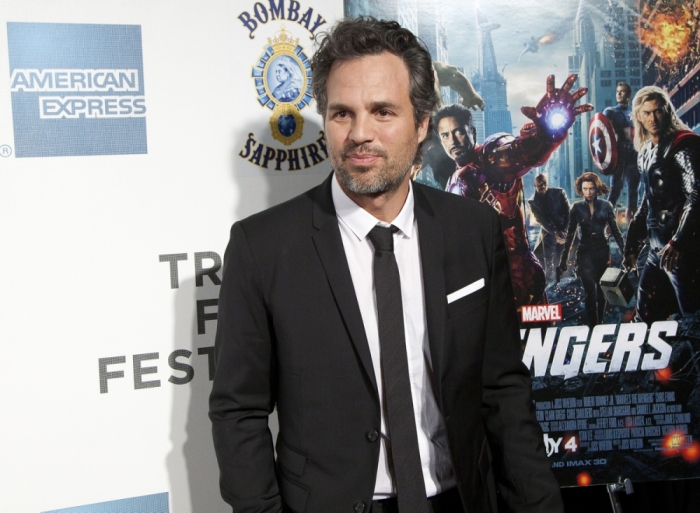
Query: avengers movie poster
(578, 122)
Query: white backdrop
(80, 271)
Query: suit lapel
(329, 246)
(432, 256)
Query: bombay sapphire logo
(77, 89)
(282, 78)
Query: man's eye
(383, 112)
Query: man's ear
(423, 128)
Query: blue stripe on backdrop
(156, 503)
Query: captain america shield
(602, 143)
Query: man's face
(652, 116)
(370, 129)
(541, 186)
(622, 95)
(589, 190)
(456, 139)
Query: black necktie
(408, 473)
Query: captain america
(626, 169)
(669, 216)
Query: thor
(669, 217)
(388, 345)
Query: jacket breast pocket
(466, 303)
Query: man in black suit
(308, 321)
(550, 206)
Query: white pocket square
(465, 291)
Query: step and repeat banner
(132, 135)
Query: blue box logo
(77, 89)
(157, 503)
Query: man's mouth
(362, 159)
(362, 156)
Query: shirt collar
(361, 222)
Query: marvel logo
(540, 313)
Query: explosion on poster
(536, 121)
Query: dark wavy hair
(462, 115)
(359, 37)
(601, 188)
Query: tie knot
(382, 238)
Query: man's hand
(560, 236)
(630, 262)
(449, 76)
(556, 112)
(669, 258)
(473, 102)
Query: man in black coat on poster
(550, 206)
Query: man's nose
(362, 129)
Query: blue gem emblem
(287, 125)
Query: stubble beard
(463, 156)
(368, 180)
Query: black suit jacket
(290, 335)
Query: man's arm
(614, 228)
(540, 217)
(507, 158)
(565, 208)
(450, 76)
(521, 466)
(243, 393)
(636, 233)
(687, 161)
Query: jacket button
(372, 435)
(359, 507)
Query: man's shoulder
(558, 191)
(671, 144)
(493, 142)
(454, 206)
(684, 139)
(279, 221)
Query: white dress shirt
(355, 223)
